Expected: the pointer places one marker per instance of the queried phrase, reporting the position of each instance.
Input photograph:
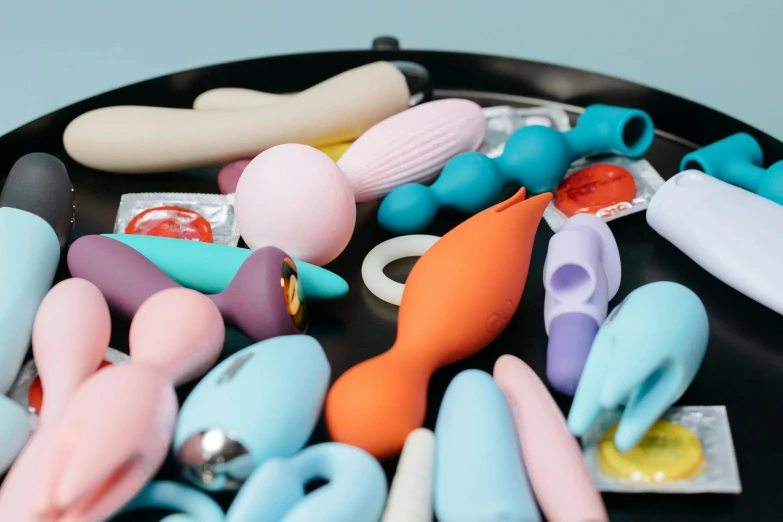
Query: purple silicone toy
(263, 300)
(581, 275)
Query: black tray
(743, 368)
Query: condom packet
(198, 217)
(608, 186)
(28, 375)
(503, 120)
(718, 472)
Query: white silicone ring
(392, 250)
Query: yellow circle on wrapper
(335, 150)
(667, 452)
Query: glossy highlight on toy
(452, 307)
(534, 157)
(636, 363)
(277, 388)
(581, 274)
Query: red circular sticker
(35, 393)
(176, 222)
(593, 188)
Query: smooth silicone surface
(179, 332)
(295, 197)
(581, 274)
(411, 146)
(356, 488)
(391, 250)
(71, 332)
(535, 157)
(738, 160)
(210, 267)
(14, 432)
(136, 140)
(410, 495)
(253, 302)
(276, 390)
(111, 439)
(709, 221)
(164, 494)
(645, 356)
(553, 457)
(27, 266)
(458, 298)
(479, 474)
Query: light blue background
(723, 53)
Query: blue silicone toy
(14, 432)
(194, 505)
(644, 356)
(738, 160)
(210, 267)
(479, 473)
(535, 157)
(260, 403)
(355, 490)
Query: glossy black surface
(743, 368)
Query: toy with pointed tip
(210, 267)
(410, 495)
(581, 274)
(356, 488)
(536, 157)
(458, 298)
(738, 160)
(277, 388)
(36, 216)
(263, 300)
(552, 455)
(644, 357)
(70, 335)
(319, 214)
(479, 473)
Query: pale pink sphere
(296, 198)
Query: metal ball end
(215, 461)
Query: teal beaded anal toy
(535, 157)
(738, 160)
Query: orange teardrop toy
(459, 296)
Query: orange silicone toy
(459, 296)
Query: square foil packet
(217, 209)
(503, 120)
(718, 472)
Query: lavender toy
(264, 299)
(581, 275)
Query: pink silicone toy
(554, 462)
(296, 198)
(115, 432)
(71, 332)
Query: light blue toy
(479, 473)
(14, 432)
(738, 160)
(535, 157)
(194, 505)
(210, 267)
(260, 403)
(355, 492)
(644, 356)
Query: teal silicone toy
(479, 473)
(14, 432)
(535, 157)
(644, 356)
(355, 492)
(262, 402)
(209, 267)
(738, 160)
(194, 505)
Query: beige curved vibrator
(139, 140)
(233, 98)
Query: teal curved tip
(210, 267)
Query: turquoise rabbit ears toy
(644, 357)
